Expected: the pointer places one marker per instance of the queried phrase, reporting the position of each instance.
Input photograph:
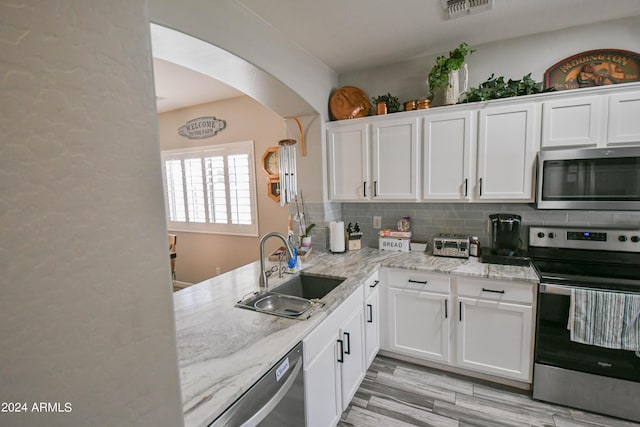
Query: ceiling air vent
(458, 8)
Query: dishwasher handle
(262, 413)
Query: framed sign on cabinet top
(593, 68)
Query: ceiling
(360, 34)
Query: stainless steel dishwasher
(276, 400)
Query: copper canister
(423, 104)
(410, 105)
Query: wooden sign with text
(593, 68)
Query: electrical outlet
(217, 271)
(377, 222)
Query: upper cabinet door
(395, 159)
(447, 142)
(508, 140)
(624, 118)
(348, 153)
(575, 122)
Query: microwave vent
(459, 8)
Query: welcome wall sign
(202, 127)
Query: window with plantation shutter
(211, 189)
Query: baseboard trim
(467, 373)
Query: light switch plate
(377, 222)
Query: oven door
(555, 348)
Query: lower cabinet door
(372, 326)
(494, 337)
(352, 367)
(419, 324)
(322, 388)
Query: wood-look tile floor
(396, 393)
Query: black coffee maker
(505, 241)
(505, 233)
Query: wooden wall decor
(593, 68)
(271, 168)
(202, 127)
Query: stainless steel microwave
(589, 178)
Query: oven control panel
(608, 239)
(587, 235)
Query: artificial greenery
(438, 78)
(393, 104)
(497, 87)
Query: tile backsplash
(429, 219)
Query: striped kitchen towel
(605, 319)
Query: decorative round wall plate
(349, 102)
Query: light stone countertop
(224, 350)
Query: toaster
(451, 245)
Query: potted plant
(440, 75)
(306, 238)
(388, 102)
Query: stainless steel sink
(283, 304)
(294, 298)
(309, 286)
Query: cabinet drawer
(420, 281)
(371, 283)
(496, 290)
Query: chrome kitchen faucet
(264, 277)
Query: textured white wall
(86, 315)
(510, 58)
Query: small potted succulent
(386, 103)
(306, 238)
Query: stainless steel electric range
(602, 267)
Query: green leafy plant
(497, 87)
(308, 230)
(438, 78)
(393, 104)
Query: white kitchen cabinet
(334, 362)
(352, 364)
(447, 144)
(419, 324)
(348, 151)
(574, 122)
(508, 141)
(474, 324)
(494, 331)
(371, 320)
(624, 118)
(418, 306)
(323, 398)
(394, 147)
